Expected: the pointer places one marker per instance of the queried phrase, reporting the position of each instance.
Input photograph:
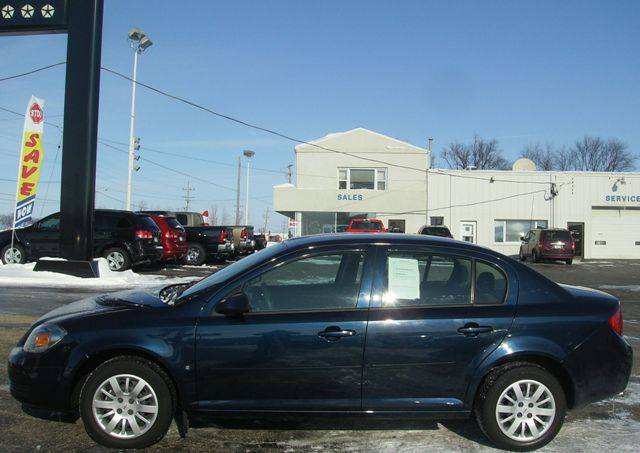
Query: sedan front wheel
(127, 403)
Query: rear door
(300, 347)
(435, 315)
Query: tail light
(573, 245)
(615, 322)
(223, 235)
(144, 234)
(243, 234)
(172, 234)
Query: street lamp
(139, 43)
(248, 154)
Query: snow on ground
(23, 275)
(634, 288)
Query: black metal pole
(77, 197)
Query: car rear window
(366, 226)
(436, 231)
(172, 222)
(145, 221)
(556, 235)
(182, 218)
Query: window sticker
(404, 278)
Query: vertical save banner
(31, 155)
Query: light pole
(426, 182)
(139, 43)
(248, 154)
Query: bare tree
(548, 157)
(481, 154)
(213, 215)
(6, 221)
(596, 154)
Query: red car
(366, 226)
(551, 243)
(174, 238)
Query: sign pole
(80, 135)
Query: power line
(33, 71)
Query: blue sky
(520, 72)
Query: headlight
(43, 337)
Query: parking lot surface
(613, 424)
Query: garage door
(615, 232)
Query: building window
(362, 178)
(436, 221)
(512, 230)
(342, 178)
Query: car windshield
(366, 225)
(557, 235)
(145, 221)
(236, 268)
(438, 231)
(173, 222)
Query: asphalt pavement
(613, 424)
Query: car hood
(115, 301)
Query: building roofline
(332, 135)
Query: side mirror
(522, 238)
(234, 305)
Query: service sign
(33, 16)
(31, 155)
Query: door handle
(334, 333)
(473, 330)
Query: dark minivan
(371, 325)
(548, 244)
(124, 238)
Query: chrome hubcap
(115, 260)
(193, 255)
(526, 410)
(125, 406)
(12, 256)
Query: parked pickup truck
(243, 239)
(203, 241)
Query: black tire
(196, 254)
(118, 257)
(535, 257)
(18, 248)
(154, 376)
(569, 261)
(522, 256)
(493, 387)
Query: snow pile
(23, 275)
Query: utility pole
(266, 220)
(248, 154)
(426, 181)
(188, 196)
(289, 173)
(238, 191)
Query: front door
(468, 231)
(428, 330)
(301, 345)
(577, 232)
(42, 237)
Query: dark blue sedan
(377, 325)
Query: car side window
(319, 282)
(423, 279)
(491, 284)
(50, 223)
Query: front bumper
(41, 383)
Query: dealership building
(360, 173)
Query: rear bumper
(556, 254)
(174, 251)
(600, 367)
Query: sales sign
(31, 155)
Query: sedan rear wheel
(521, 407)
(126, 403)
